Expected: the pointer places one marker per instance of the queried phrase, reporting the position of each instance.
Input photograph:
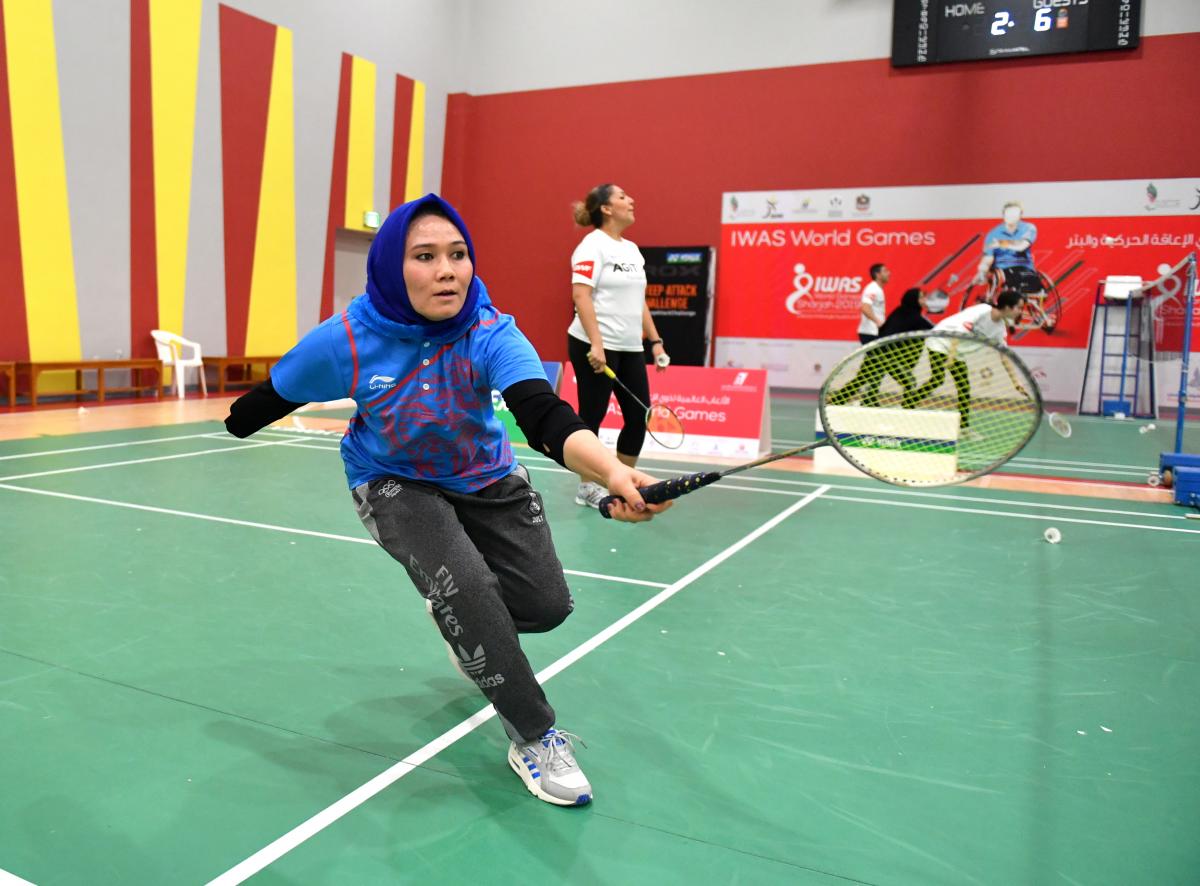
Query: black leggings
(895, 360)
(595, 389)
(937, 374)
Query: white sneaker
(548, 768)
(589, 495)
(454, 659)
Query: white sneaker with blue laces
(588, 495)
(548, 768)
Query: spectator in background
(873, 308)
(1007, 248)
(895, 360)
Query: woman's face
(620, 206)
(437, 268)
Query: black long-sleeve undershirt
(256, 409)
(544, 417)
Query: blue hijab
(385, 272)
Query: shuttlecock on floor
(1052, 535)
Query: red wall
(514, 162)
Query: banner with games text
(793, 264)
(724, 412)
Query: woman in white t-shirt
(608, 286)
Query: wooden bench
(222, 365)
(9, 369)
(137, 366)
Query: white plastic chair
(172, 351)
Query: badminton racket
(930, 408)
(662, 424)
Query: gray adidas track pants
(486, 563)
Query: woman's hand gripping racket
(919, 409)
(662, 424)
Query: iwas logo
(808, 286)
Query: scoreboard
(926, 32)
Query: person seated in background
(1007, 249)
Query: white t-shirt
(976, 320)
(616, 272)
(873, 296)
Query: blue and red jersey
(424, 405)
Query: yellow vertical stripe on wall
(414, 183)
(360, 153)
(174, 65)
(271, 326)
(42, 208)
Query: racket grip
(665, 490)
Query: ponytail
(587, 212)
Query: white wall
(536, 44)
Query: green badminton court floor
(209, 673)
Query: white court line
(985, 511)
(912, 493)
(105, 446)
(555, 469)
(902, 492)
(631, 581)
(288, 529)
(990, 513)
(786, 444)
(137, 461)
(323, 819)
(293, 442)
(1115, 472)
(7, 879)
(1090, 464)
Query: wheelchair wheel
(979, 293)
(1051, 305)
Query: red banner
(799, 280)
(723, 411)
(1168, 299)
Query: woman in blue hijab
(431, 471)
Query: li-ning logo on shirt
(381, 382)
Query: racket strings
(929, 408)
(664, 426)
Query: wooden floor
(61, 420)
